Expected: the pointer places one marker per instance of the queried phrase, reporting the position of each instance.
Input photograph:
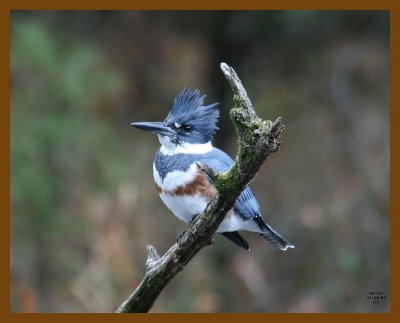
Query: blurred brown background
(83, 202)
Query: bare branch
(152, 258)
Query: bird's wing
(246, 204)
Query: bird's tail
(274, 237)
(237, 239)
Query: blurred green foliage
(83, 204)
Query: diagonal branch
(257, 139)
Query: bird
(186, 137)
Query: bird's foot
(194, 217)
(180, 235)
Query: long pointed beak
(158, 128)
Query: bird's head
(190, 123)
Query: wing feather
(246, 204)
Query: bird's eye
(187, 128)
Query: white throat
(169, 148)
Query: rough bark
(257, 139)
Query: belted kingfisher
(185, 137)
